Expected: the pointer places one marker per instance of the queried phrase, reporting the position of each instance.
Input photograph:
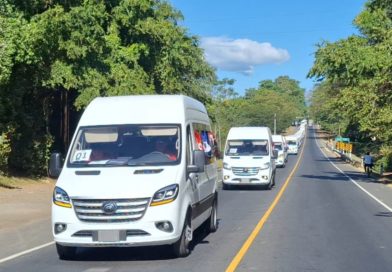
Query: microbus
(249, 157)
(140, 171)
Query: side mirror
(274, 154)
(199, 161)
(55, 165)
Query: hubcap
(188, 233)
(214, 220)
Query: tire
(226, 186)
(270, 184)
(212, 221)
(181, 248)
(66, 252)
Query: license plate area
(109, 236)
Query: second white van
(249, 158)
(281, 147)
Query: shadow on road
(384, 214)
(335, 176)
(113, 254)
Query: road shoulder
(25, 217)
(374, 186)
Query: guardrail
(351, 158)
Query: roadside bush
(30, 154)
(5, 151)
(386, 158)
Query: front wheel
(181, 247)
(66, 252)
(226, 186)
(212, 221)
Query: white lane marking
(25, 252)
(353, 181)
(98, 269)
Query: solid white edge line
(25, 252)
(353, 181)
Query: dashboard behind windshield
(123, 145)
(247, 148)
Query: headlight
(265, 166)
(165, 195)
(226, 166)
(281, 156)
(61, 198)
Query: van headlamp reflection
(165, 195)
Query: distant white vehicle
(293, 144)
(281, 146)
(140, 171)
(249, 157)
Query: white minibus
(140, 171)
(249, 158)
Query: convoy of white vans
(142, 170)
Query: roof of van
(277, 138)
(141, 109)
(241, 133)
(291, 137)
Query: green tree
(358, 73)
(56, 56)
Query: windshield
(247, 148)
(292, 143)
(122, 145)
(278, 146)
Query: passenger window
(205, 140)
(188, 149)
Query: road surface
(323, 221)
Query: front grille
(93, 233)
(91, 210)
(245, 171)
(136, 232)
(83, 233)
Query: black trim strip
(201, 206)
(88, 173)
(148, 171)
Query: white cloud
(240, 55)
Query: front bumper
(263, 177)
(142, 232)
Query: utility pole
(274, 123)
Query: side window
(204, 140)
(188, 150)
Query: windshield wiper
(136, 164)
(119, 162)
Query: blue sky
(254, 40)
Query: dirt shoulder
(30, 201)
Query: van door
(192, 178)
(206, 181)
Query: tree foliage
(56, 56)
(258, 106)
(357, 78)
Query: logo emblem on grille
(109, 207)
(245, 170)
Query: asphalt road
(323, 222)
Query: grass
(290, 130)
(219, 163)
(16, 182)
